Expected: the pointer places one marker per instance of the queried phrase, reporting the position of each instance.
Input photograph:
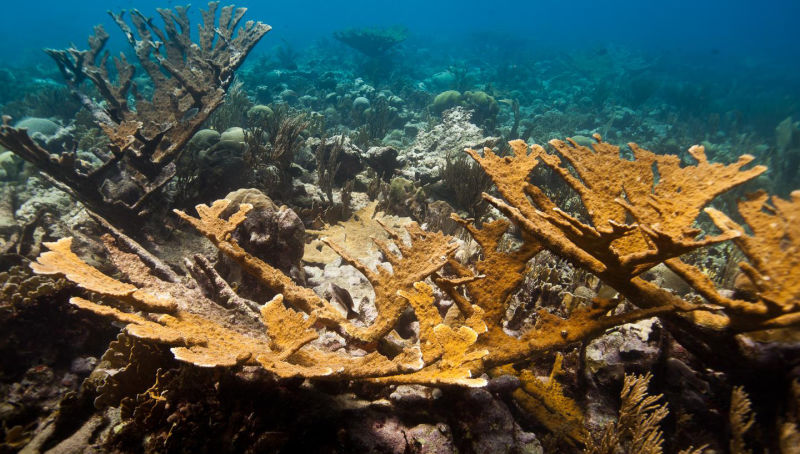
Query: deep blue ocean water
(763, 32)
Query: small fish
(189, 114)
(343, 297)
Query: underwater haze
(748, 30)
(704, 58)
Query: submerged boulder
(202, 139)
(49, 134)
(272, 233)
(427, 156)
(10, 166)
(347, 154)
(36, 125)
(383, 160)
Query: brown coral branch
(552, 332)
(773, 248)
(202, 333)
(189, 83)
(546, 401)
(215, 287)
(665, 209)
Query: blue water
(763, 32)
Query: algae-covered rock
(8, 223)
(234, 134)
(383, 160)
(274, 234)
(10, 166)
(349, 162)
(406, 199)
(427, 156)
(633, 346)
(445, 100)
(483, 106)
(214, 167)
(222, 160)
(399, 187)
(259, 113)
(203, 139)
(484, 425)
(38, 125)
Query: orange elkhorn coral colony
(470, 340)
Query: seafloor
(363, 283)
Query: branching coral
(280, 339)
(642, 212)
(279, 336)
(772, 264)
(546, 401)
(147, 133)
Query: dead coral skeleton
(147, 133)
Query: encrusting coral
(189, 81)
(19, 287)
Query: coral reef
(374, 263)
(189, 81)
(283, 336)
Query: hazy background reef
(665, 75)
